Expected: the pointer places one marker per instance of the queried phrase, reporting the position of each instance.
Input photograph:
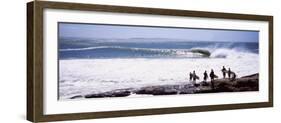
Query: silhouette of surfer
(205, 76)
(223, 71)
(233, 77)
(229, 73)
(212, 76)
(195, 77)
(190, 76)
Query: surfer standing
(195, 77)
(190, 76)
(223, 71)
(212, 76)
(229, 73)
(205, 76)
(233, 76)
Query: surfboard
(232, 74)
(196, 77)
(215, 76)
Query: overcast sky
(124, 32)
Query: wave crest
(146, 51)
(184, 53)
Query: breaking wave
(144, 52)
(118, 51)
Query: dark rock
(115, 93)
(121, 94)
(158, 90)
(196, 85)
(205, 84)
(246, 83)
(224, 87)
(95, 95)
(251, 76)
(75, 97)
(204, 91)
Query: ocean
(97, 65)
(89, 49)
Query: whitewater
(81, 76)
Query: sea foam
(85, 76)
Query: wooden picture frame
(35, 60)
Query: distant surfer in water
(205, 76)
(212, 76)
(223, 71)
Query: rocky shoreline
(245, 83)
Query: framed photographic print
(96, 61)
